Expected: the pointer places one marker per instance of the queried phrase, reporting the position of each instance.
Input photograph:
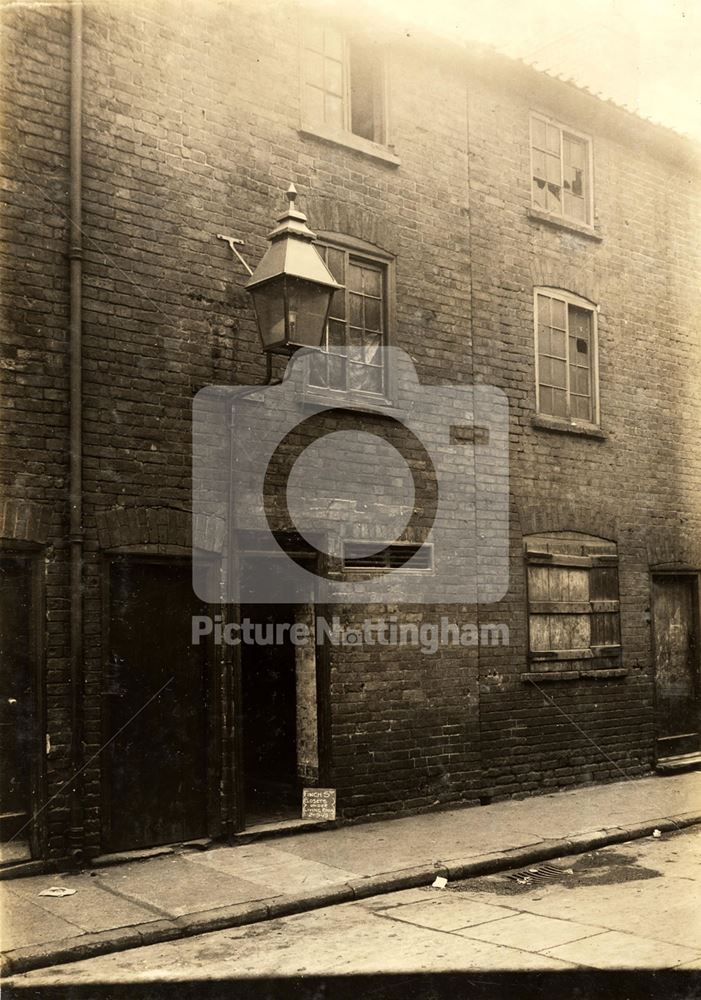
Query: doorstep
(281, 828)
(679, 762)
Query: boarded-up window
(573, 603)
(566, 354)
(343, 86)
(561, 183)
(351, 359)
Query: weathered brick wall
(34, 103)
(192, 117)
(191, 127)
(643, 479)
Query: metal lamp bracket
(233, 243)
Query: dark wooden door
(16, 695)
(157, 767)
(675, 629)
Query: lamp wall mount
(233, 243)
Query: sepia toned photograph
(350, 499)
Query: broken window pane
(539, 196)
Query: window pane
(372, 281)
(372, 342)
(539, 195)
(553, 139)
(355, 278)
(373, 314)
(336, 335)
(544, 340)
(338, 305)
(314, 104)
(553, 198)
(581, 407)
(544, 309)
(337, 371)
(318, 369)
(315, 69)
(558, 373)
(574, 152)
(559, 403)
(538, 163)
(575, 208)
(580, 381)
(334, 77)
(333, 111)
(546, 399)
(580, 322)
(355, 343)
(364, 91)
(336, 261)
(365, 378)
(356, 309)
(538, 132)
(545, 371)
(558, 314)
(333, 43)
(574, 181)
(557, 344)
(552, 169)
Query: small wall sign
(319, 803)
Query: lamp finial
(292, 195)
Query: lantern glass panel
(308, 308)
(269, 304)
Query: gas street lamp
(292, 287)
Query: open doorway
(279, 710)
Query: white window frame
(569, 298)
(359, 249)
(309, 124)
(565, 130)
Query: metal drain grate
(540, 874)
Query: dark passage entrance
(17, 697)
(269, 698)
(156, 788)
(675, 623)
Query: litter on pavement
(58, 891)
(440, 882)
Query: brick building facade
(521, 234)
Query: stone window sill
(379, 406)
(559, 223)
(350, 141)
(603, 674)
(564, 426)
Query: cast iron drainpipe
(76, 431)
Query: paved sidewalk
(193, 891)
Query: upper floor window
(566, 356)
(343, 86)
(561, 171)
(351, 359)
